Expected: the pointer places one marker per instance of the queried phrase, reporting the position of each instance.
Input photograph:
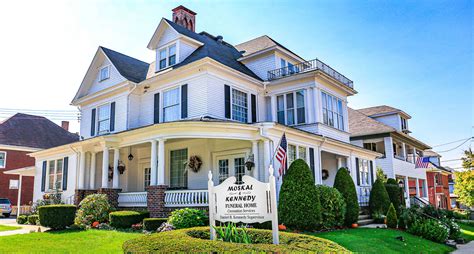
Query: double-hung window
(333, 113)
(147, 177)
(104, 73)
(239, 106)
(364, 172)
(404, 123)
(291, 108)
(178, 172)
(55, 174)
(295, 152)
(171, 105)
(167, 56)
(3, 159)
(291, 154)
(103, 119)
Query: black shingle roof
(129, 67)
(33, 131)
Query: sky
(413, 55)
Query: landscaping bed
(197, 240)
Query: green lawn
(467, 232)
(7, 228)
(382, 241)
(90, 241)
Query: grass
(467, 232)
(66, 241)
(374, 240)
(7, 228)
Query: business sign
(250, 201)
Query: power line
(452, 142)
(42, 110)
(456, 146)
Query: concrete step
(364, 217)
(365, 222)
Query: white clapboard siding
(261, 66)
(114, 79)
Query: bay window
(333, 111)
(103, 119)
(291, 108)
(171, 105)
(55, 174)
(239, 106)
(166, 57)
(3, 159)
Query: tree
(464, 187)
(345, 185)
(392, 217)
(468, 159)
(378, 200)
(381, 175)
(394, 194)
(299, 206)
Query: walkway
(25, 229)
(465, 248)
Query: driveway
(25, 229)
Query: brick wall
(112, 195)
(79, 195)
(156, 201)
(15, 160)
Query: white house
(202, 97)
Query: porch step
(365, 222)
(364, 217)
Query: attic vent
(219, 38)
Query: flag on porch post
(422, 162)
(281, 156)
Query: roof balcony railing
(307, 66)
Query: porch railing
(311, 65)
(185, 198)
(364, 194)
(132, 199)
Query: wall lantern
(249, 164)
(130, 156)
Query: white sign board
(251, 201)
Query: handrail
(185, 198)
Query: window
(3, 159)
(451, 188)
(404, 123)
(302, 153)
(14, 184)
(172, 55)
(104, 73)
(239, 106)
(103, 119)
(162, 59)
(370, 146)
(223, 170)
(364, 172)
(147, 177)
(333, 113)
(291, 154)
(239, 165)
(178, 172)
(280, 109)
(291, 108)
(171, 105)
(167, 57)
(55, 174)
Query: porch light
(401, 184)
(130, 156)
(249, 164)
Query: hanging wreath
(194, 163)
(325, 174)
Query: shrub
(57, 216)
(378, 200)
(394, 194)
(333, 207)
(392, 219)
(196, 240)
(345, 185)
(94, 207)
(188, 218)
(299, 206)
(430, 229)
(231, 233)
(125, 219)
(454, 229)
(151, 224)
(22, 219)
(33, 219)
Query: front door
(230, 165)
(146, 175)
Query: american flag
(281, 155)
(422, 162)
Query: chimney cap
(219, 38)
(181, 7)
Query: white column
(318, 105)
(417, 187)
(407, 192)
(18, 202)
(425, 188)
(414, 155)
(161, 162)
(317, 166)
(348, 163)
(339, 163)
(266, 158)
(255, 158)
(273, 103)
(116, 177)
(82, 170)
(92, 172)
(105, 168)
(153, 163)
(404, 151)
(309, 105)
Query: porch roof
(26, 171)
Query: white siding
(326, 131)
(261, 66)
(185, 50)
(391, 120)
(168, 36)
(115, 78)
(134, 111)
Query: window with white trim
(104, 73)
(291, 108)
(55, 174)
(223, 170)
(171, 105)
(3, 159)
(239, 106)
(178, 172)
(333, 113)
(404, 123)
(364, 172)
(103, 119)
(14, 184)
(302, 153)
(147, 177)
(167, 57)
(291, 154)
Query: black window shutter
(357, 171)
(93, 122)
(112, 116)
(227, 101)
(371, 172)
(253, 100)
(184, 101)
(311, 161)
(43, 177)
(65, 167)
(156, 108)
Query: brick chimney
(184, 17)
(65, 125)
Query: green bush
(196, 240)
(345, 185)
(378, 200)
(151, 224)
(454, 229)
(333, 207)
(394, 194)
(33, 219)
(188, 218)
(22, 219)
(233, 234)
(57, 216)
(392, 219)
(430, 229)
(94, 207)
(299, 206)
(125, 219)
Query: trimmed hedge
(57, 216)
(22, 219)
(188, 218)
(345, 185)
(125, 219)
(392, 219)
(333, 207)
(378, 200)
(299, 206)
(33, 219)
(394, 194)
(194, 240)
(151, 224)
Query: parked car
(5, 207)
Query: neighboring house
(20, 135)
(202, 97)
(438, 181)
(385, 130)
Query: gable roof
(260, 43)
(382, 110)
(362, 125)
(130, 68)
(33, 131)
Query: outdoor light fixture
(130, 156)
(250, 162)
(401, 184)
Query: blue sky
(413, 55)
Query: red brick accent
(156, 201)
(112, 194)
(15, 160)
(79, 195)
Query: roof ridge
(102, 47)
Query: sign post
(250, 201)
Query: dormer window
(104, 73)
(404, 123)
(167, 56)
